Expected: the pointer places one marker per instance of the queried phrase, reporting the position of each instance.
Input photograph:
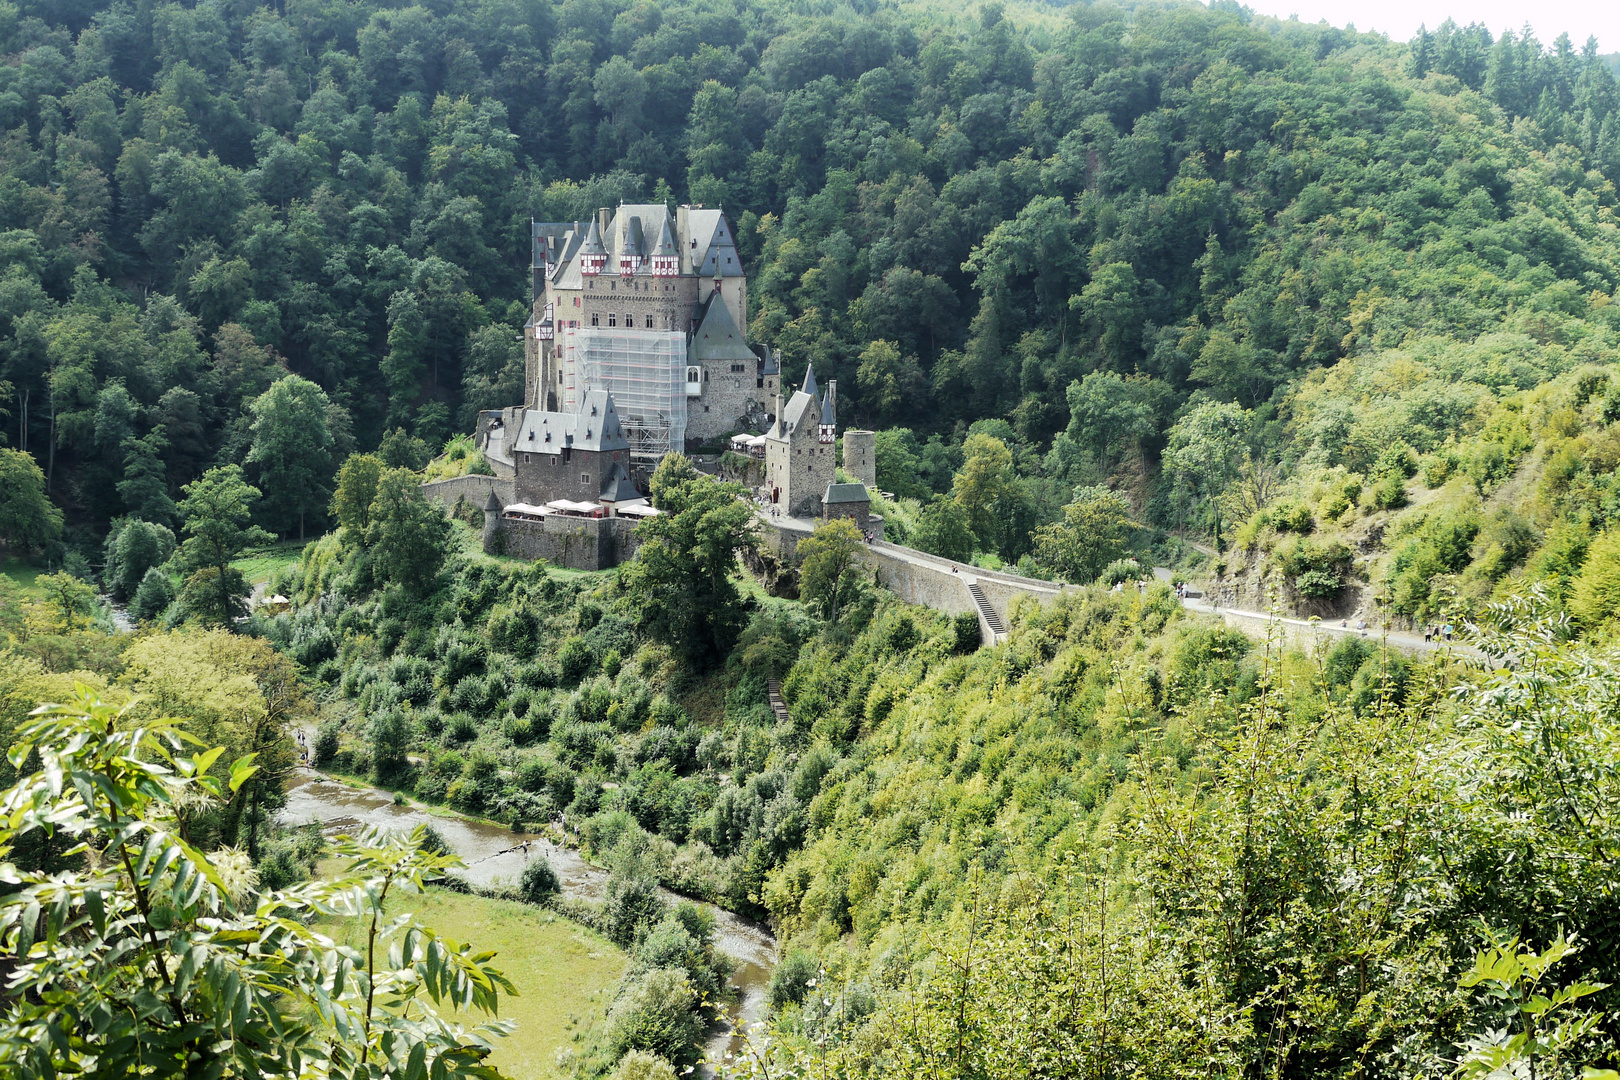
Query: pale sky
(1400, 18)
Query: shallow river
(488, 852)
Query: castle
(636, 348)
(652, 307)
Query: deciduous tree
(218, 513)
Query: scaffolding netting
(644, 370)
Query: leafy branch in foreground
(152, 958)
(1541, 1029)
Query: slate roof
(846, 493)
(628, 232)
(618, 487)
(718, 338)
(594, 427)
(593, 241)
(666, 241)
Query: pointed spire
(666, 242)
(829, 410)
(809, 386)
(592, 255)
(593, 241)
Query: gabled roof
(594, 427)
(715, 253)
(598, 427)
(718, 338)
(846, 493)
(798, 407)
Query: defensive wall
(919, 578)
(575, 542)
(474, 490)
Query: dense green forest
(1325, 321)
(1098, 236)
(1126, 840)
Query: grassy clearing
(24, 574)
(563, 972)
(260, 563)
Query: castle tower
(798, 463)
(860, 456)
(492, 521)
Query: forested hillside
(1101, 234)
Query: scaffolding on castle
(644, 370)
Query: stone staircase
(998, 629)
(773, 694)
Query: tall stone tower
(860, 456)
(799, 449)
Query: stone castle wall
(474, 490)
(576, 543)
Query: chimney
(603, 215)
(779, 411)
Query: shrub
(514, 630)
(461, 729)
(433, 841)
(326, 743)
(1397, 459)
(1291, 516)
(791, 979)
(1318, 569)
(658, 1015)
(155, 594)
(1388, 492)
(539, 881)
(390, 736)
(632, 904)
(1439, 467)
(1596, 597)
(1345, 659)
(965, 632)
(517, 729)
(1122, 570)
(574, 661)
(640, 1065)
(1207, 659)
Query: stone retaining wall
(473, 489)
(917, 577)
(577, 543)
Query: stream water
(487, 851)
